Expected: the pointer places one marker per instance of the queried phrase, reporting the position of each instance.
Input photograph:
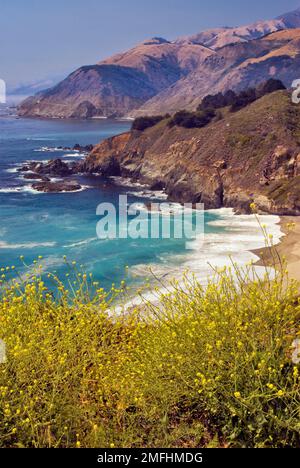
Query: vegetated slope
(249, 155)
(205, 367)
(161, 76)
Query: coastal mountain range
(160, 76)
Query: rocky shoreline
(64, 173)
(244, 157)
(55, 175)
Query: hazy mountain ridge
(217, 38)
(159, 76)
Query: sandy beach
(289, 247)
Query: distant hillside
(219, 37)
(234, 66)
(161, 76)
(120, 84)
(240, 157)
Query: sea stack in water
(54, 187)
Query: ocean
(55, 225)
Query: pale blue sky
(41, 38)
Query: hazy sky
(41, 38)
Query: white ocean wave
(46, 149)
(212, 251)
(126, 182)
(22, 189)
(39, 139)
(80, 243)
(29, 189)
(13, 170)
(150, 194)
(13, 190)
(54, 149)
(162, 208)
(146, 193)
(73, 155)
(40, 161)
(26, 245)
(36, 180)
(222, 248)
(56, 179)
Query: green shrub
(242, 99)
(269, 86)
(142, 123)
(197, 119)
(239, 139)
(217, 101)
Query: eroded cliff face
(250, 155)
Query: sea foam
(26, 245)
(209, 253)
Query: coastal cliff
(252, 155)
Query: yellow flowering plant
(199, 367)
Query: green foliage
(242, 99)
(269, 86)
(217, 101)
(201, 367)
(142, 123)
(239, 139)
(209, 109)
(206, 111)
(197, 119)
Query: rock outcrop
(34, 176)
(55, 187)
(54, 168)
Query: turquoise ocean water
(58, 224)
